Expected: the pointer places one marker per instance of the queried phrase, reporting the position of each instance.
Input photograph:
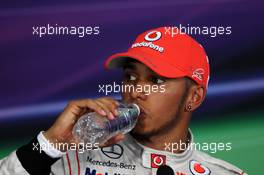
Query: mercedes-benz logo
(113, 152)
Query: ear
(195, 97)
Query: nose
(139, 91)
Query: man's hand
(61, 130)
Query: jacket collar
(152, 158)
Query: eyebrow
(129, 66)
(132, 66)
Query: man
(178, 68)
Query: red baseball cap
(171, 56)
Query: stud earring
(189, 107)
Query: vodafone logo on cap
(150, 37)
(197, 168)
(153, 36)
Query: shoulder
(217, 165)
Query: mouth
(143, 111)
(142, 114)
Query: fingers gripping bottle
(93, 128)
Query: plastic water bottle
(94, 128)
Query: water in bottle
(94, 128)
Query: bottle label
(118, 124)
(125, 120)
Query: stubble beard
(165, 128)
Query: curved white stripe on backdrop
(251, 85)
